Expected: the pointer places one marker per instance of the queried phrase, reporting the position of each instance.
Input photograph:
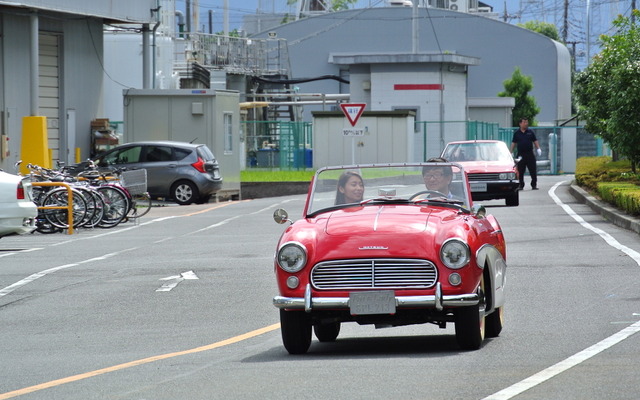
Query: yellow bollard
(34, 146)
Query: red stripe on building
(416, 86)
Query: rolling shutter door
(49, 88)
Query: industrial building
(51, 72)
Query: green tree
(608, 90)
(543, 28)
(519, 87)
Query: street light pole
(588, 32)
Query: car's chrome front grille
(484, 177)
(386, 273)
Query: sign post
(353, 111)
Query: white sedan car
(17, 211)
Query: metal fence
(288, 145)
(278, 144)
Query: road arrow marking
(190, 275)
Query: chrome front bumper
(437, 301)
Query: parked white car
(17, 211)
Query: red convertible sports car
(390, 245)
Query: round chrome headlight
(455, 253)
(507, 175)
(292, 257)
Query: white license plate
(478, 186)
(372, 302)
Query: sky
(601, 13)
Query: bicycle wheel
(116, 206)
(44, 226)
(95, 207)
(140, 205)
(60, 198)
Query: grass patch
(252, 175)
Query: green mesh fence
(284, 145)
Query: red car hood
(377, 231)
(475, 167)
(377, 220)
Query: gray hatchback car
(185, 172)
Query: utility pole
(565, 20)
(573, 54)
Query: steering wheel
(428, 192)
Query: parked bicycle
(97, 199)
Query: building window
(228, 133)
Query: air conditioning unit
(439, 3)
(459, 5)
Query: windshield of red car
(477, 151)
(416, 184)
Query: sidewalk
(608, 212)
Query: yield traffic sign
(352, 111)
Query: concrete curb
(608, 212)
(257, 190)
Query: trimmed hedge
(624, 195)
(612, 181)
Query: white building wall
(431, 104)
(388, 137)
(123, 68)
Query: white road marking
(21, 251)
(33, 277)
(177, 279)
(604, 235)
(226, 221)
(590, 352)
(565, 364)
(189, 275)
(38, 275)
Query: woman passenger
(350, 188)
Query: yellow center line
(79, 377)
(215, 207)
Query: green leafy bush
(591, 170)
(612, 181)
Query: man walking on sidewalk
(526, 139)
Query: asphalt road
(179, 307)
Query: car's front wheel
(470, 325)
(184, 192)
(296, 331)
(327, 332)
(494, 322)
(512, 200)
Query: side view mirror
(479, 211)
(280, 216)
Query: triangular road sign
(353, 111)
